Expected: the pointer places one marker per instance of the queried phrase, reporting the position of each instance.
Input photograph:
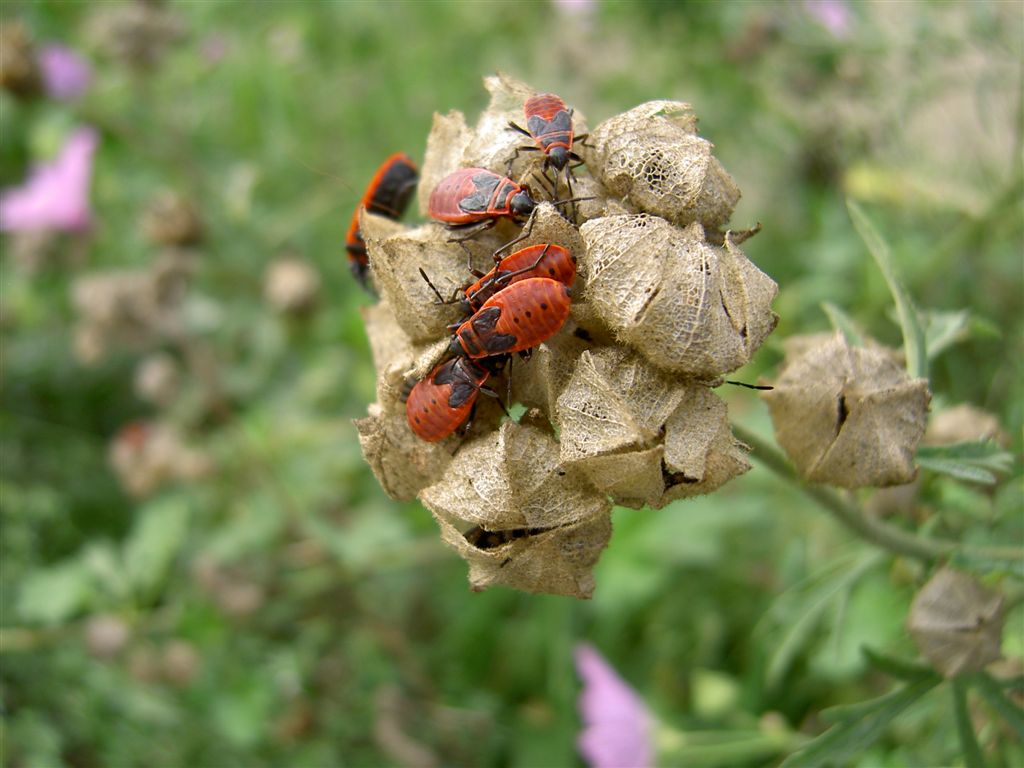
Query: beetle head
(521, 203)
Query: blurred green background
(276, 608)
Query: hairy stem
(868, 528)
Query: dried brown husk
(849, 416)
(402, 463)
(558, 561)
(652, 156)
(964, 423)
(533, 524)
(643, 437)
(538, 382)
(701, 454)
(957, 623)
(689, 307)
(613, 402)
(513, 478)
(396, 255)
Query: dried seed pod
(513, 478)
(642, 437)
(558, 561)
(538, 382)
(653, 155)
(402, 463)
(615, 401)
(701, 454)
(602, 204)
(964, 423)
(396, 258)
(849, 416)
(531, 524)
(389, 344)
(688, 307)
(957, 623)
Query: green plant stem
(868, 528)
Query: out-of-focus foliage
(211, 576)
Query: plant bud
(957, 623)
(653, 156)
(849, 416)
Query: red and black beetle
(473, 199)
(514, 319)
(544, 260)
(549, 124)
(440, 403)
(387, 194)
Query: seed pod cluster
(620, 406)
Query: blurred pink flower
(66, 74)
(833, 15)
(56, 194)
(617, 725)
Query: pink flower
(833, 15)
(66, 74)
(617, 725)
(56, 194)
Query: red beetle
(442, 402)
(549, 124)
(387, 194)
(473, 199)
(544, 260)
(514, 319)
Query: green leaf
(964, 727)
(862, 725)
(843, 323)
(898, 668)
(989, 563)
(974, 461)
(51, 595)
(811, 598)
(958, 470)
(995, 697)
(154, 542)
(944, 329)
(913, 334)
